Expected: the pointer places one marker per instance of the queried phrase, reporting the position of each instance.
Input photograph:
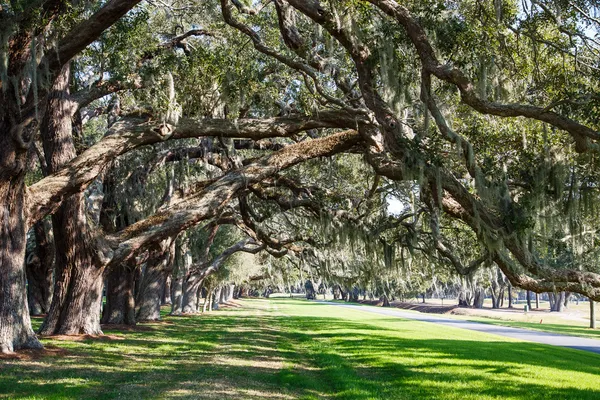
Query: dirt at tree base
(81, 338)
(35, 354)
(126, 328)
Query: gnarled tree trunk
(190, 295)
(159, 264)
(40, 270)
(120, 303)
(76, 302)
(15, 142)
(557, 301)
(15, 324)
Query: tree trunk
(557, 301)
(337, 293)
(190, 295)
(310, 290)
(479, 297)
(566, 299)
(206, 305)
(385, 302)
(40, 270)
(537, 300)
(77, 294)
(215, 298)
(120, 303)
(592, 314)
(166, 294)
(15, 324)
(177, 296)
(15, 143)
(158, 266)
(529, 300)
(230, 292)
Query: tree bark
(190, 295)
(76, 302)
(15, 325)
(120, 302)
(40, 271)
(15, 143)
(557, 301)
(479, 297)
(216, 298)
(166, 294)
(159, 264)
(592, 314)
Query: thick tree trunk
(15, 142)
(385, 302)
(15, 325)
(177, 296)
(76, 302)
(510, 300)
(158, 266)
(190, 295)
(567, 297)
(537, 300)
(120, 303)
(479, 297)
(529, 299)
(40, 270)
(557, 301)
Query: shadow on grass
(239, 356)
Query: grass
(561, 328)
(550, 322)
(293, 349)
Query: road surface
(553, 339)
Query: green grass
(293, 349)
(573, 330)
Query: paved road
(553, 339)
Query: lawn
(293, 349)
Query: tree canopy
(176, 134)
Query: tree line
(167, 137)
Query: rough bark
(190, 295)
(76, 302)
(120, 302)
(40, 271)
(130, 133)
(159, 264)
(15, 324)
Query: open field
(293, 349)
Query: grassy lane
(292, 349)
